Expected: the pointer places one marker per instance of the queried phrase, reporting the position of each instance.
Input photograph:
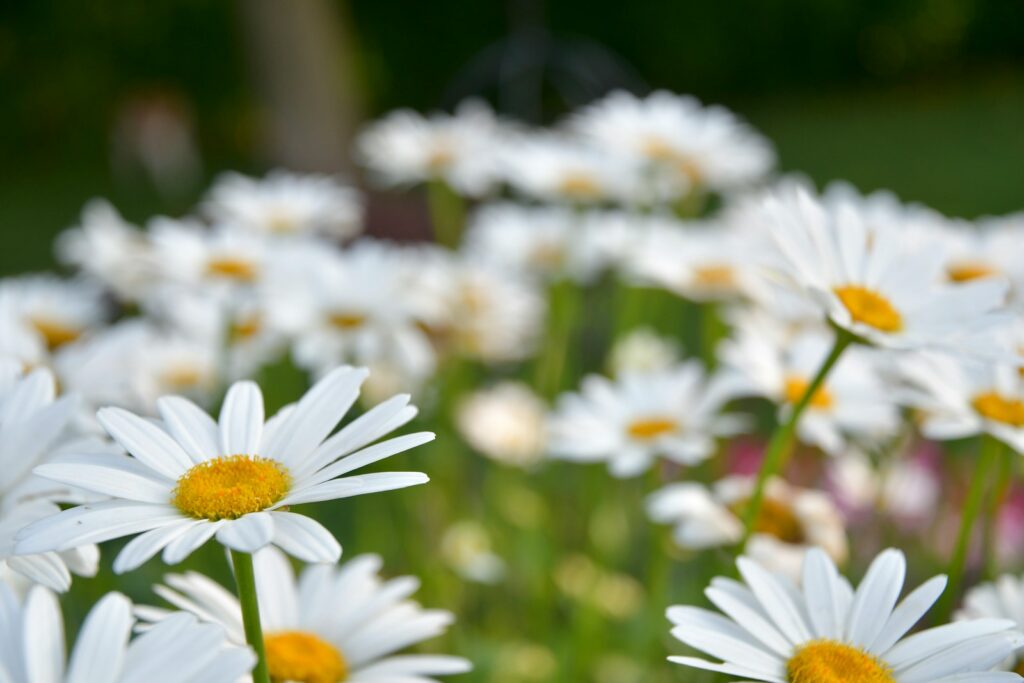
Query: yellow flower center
(548, 255)
(246, 328)
(579, 186)
(346, 321)
(829, 661)
(54, 332)
(775, 518)
(660, 151)
(715, 277)
(440, 158)
(304, 658)
(796, 386)
(870, 308)
(1019, 669)
(650, 428)
(969, 270)
(994, 406)
(230, 486)
(282, 223)
(231, 268)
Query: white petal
(241, 420)
(248, 533)
(875, 597)
(93, 523)
(100, 647)
(305, 538)
(355, 486)
(122, 480)
(147, 442)
(191, 427)
(44, 652)
(44, 568)
(144, 546)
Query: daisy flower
(286, 203)
(505, 422)
(642, 350)
(791, 521)
(854, 403)
(190, 478)
(178, 650)
(224, 260)
(958, 398)
(333, 623)
(771, 630)
(637, 417)
(1000, 599)
(406, 148)
(51, 311)
(33, 422)
(699, 147)
(879, 284)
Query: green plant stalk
(1003, 479)
(447, 213)
(563, 313)
(245, 580)
(988, 458)
(782, 439)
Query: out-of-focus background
(143, 103)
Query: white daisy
(642, 350)
(53, 312)
(697, 146)
(771, 630)
(880, 284)
(791, 521)
(284, 203)
(556, 168)
(110, 250)
(179, 650)
(33, 423)
(632, 420)
(906, 488)
(853, 404)
(405, 148)
(1000, 599)
(191, 478)
(335, 623)
(962, 397)
(223, 260)
(505, 422)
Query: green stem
(447, 213)
(1004, 477)
(782, 439)
(563, 312)
(245, 579)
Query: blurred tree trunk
(301, 52)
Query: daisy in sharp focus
(826, 632)
(882, 285)
(332, 624)
(629, 422)
(190, 478)
(791, 521)
(1000, 599)
(854, 403)
(33, 423)
(179, 650)
(700, 147)
(284, 203)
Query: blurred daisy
(642, 350)
(466, 547)
(879, 284)
(632, 420)
(284, 203)
(790, 522)
(827, 631)
(555, 168)
(906, 488)
(54, 312)
(191, 478)
(505, 422)
(178, 650)
(699, 147)
(335, 623)
(1000, 599)
(854, 403)
(109, 250)
(33, 422)
(223, 260)
(957, 398)
(406, 148)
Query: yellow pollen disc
(1019, 669)
(656, 149)
(246, 328)
(870, 308)
(828, 661)
(440, 159)
(548, 256)
(281, 223)
(716, 277)
(775, 518)
(796, 386)
(231, 268)
(967, 271)
(346, 321)
(579, 186)
(647, 429)
(998, 408)
(54, 333)
(182, 376)
(304, 658)
(231, 486)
